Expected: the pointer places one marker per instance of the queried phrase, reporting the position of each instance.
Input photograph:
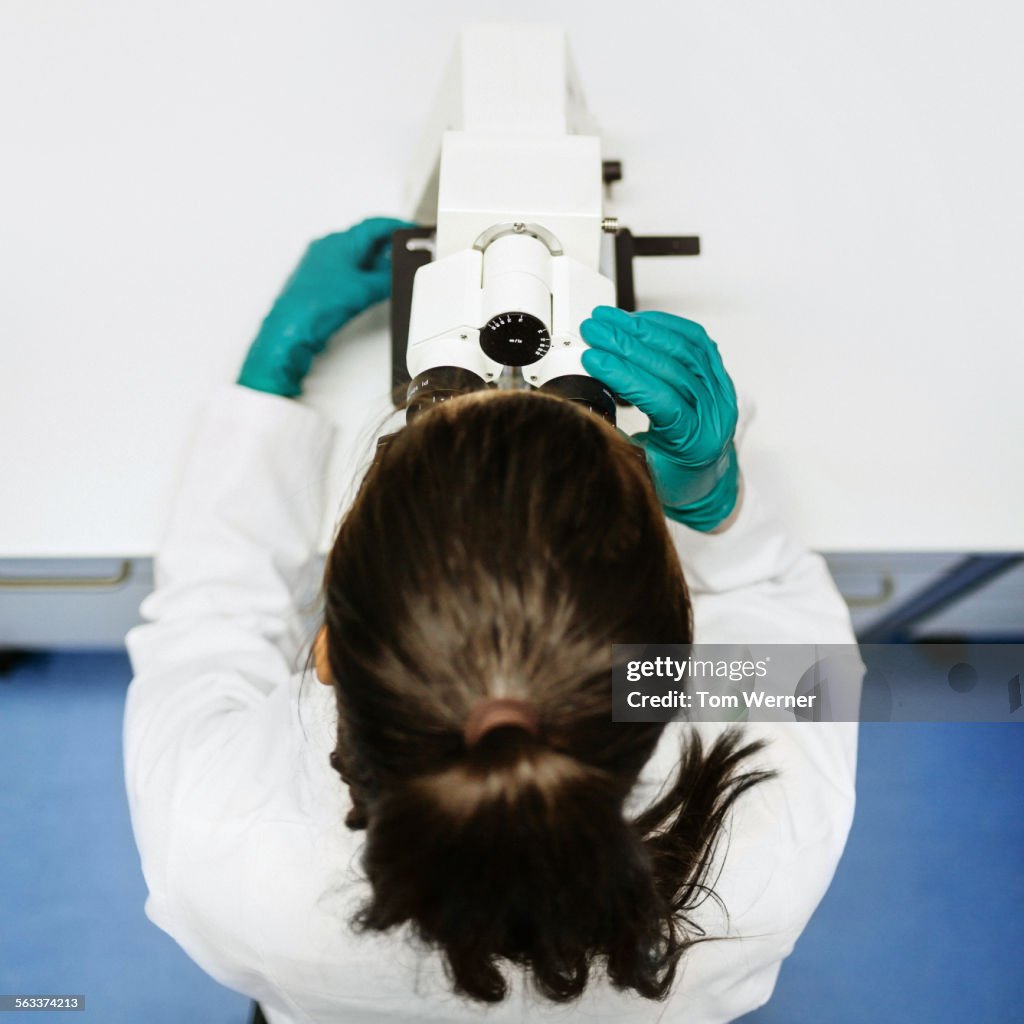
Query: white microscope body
(510, 171)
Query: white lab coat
(239, 817)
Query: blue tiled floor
(925, 919)
(71, 889)
(924, 923)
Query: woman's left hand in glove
(339, 277)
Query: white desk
(853, 173)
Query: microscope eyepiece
(585, 391)
(439, 384)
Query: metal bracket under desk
(967, 577)
(50, 603)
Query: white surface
(853, 169)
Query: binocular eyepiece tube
(441, 383)
(503, 314)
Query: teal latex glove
(670, 369)
(339, 277)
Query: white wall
(853, 168)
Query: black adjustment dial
(515, 339)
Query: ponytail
(518, 853)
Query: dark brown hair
(497, 547)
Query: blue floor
(71, 889)
(924, 923)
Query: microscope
(510, 178)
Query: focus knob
(515, 339)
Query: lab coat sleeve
(222, 629)
(756, 583)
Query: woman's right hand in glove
(671, 370)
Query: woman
(496, 845)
